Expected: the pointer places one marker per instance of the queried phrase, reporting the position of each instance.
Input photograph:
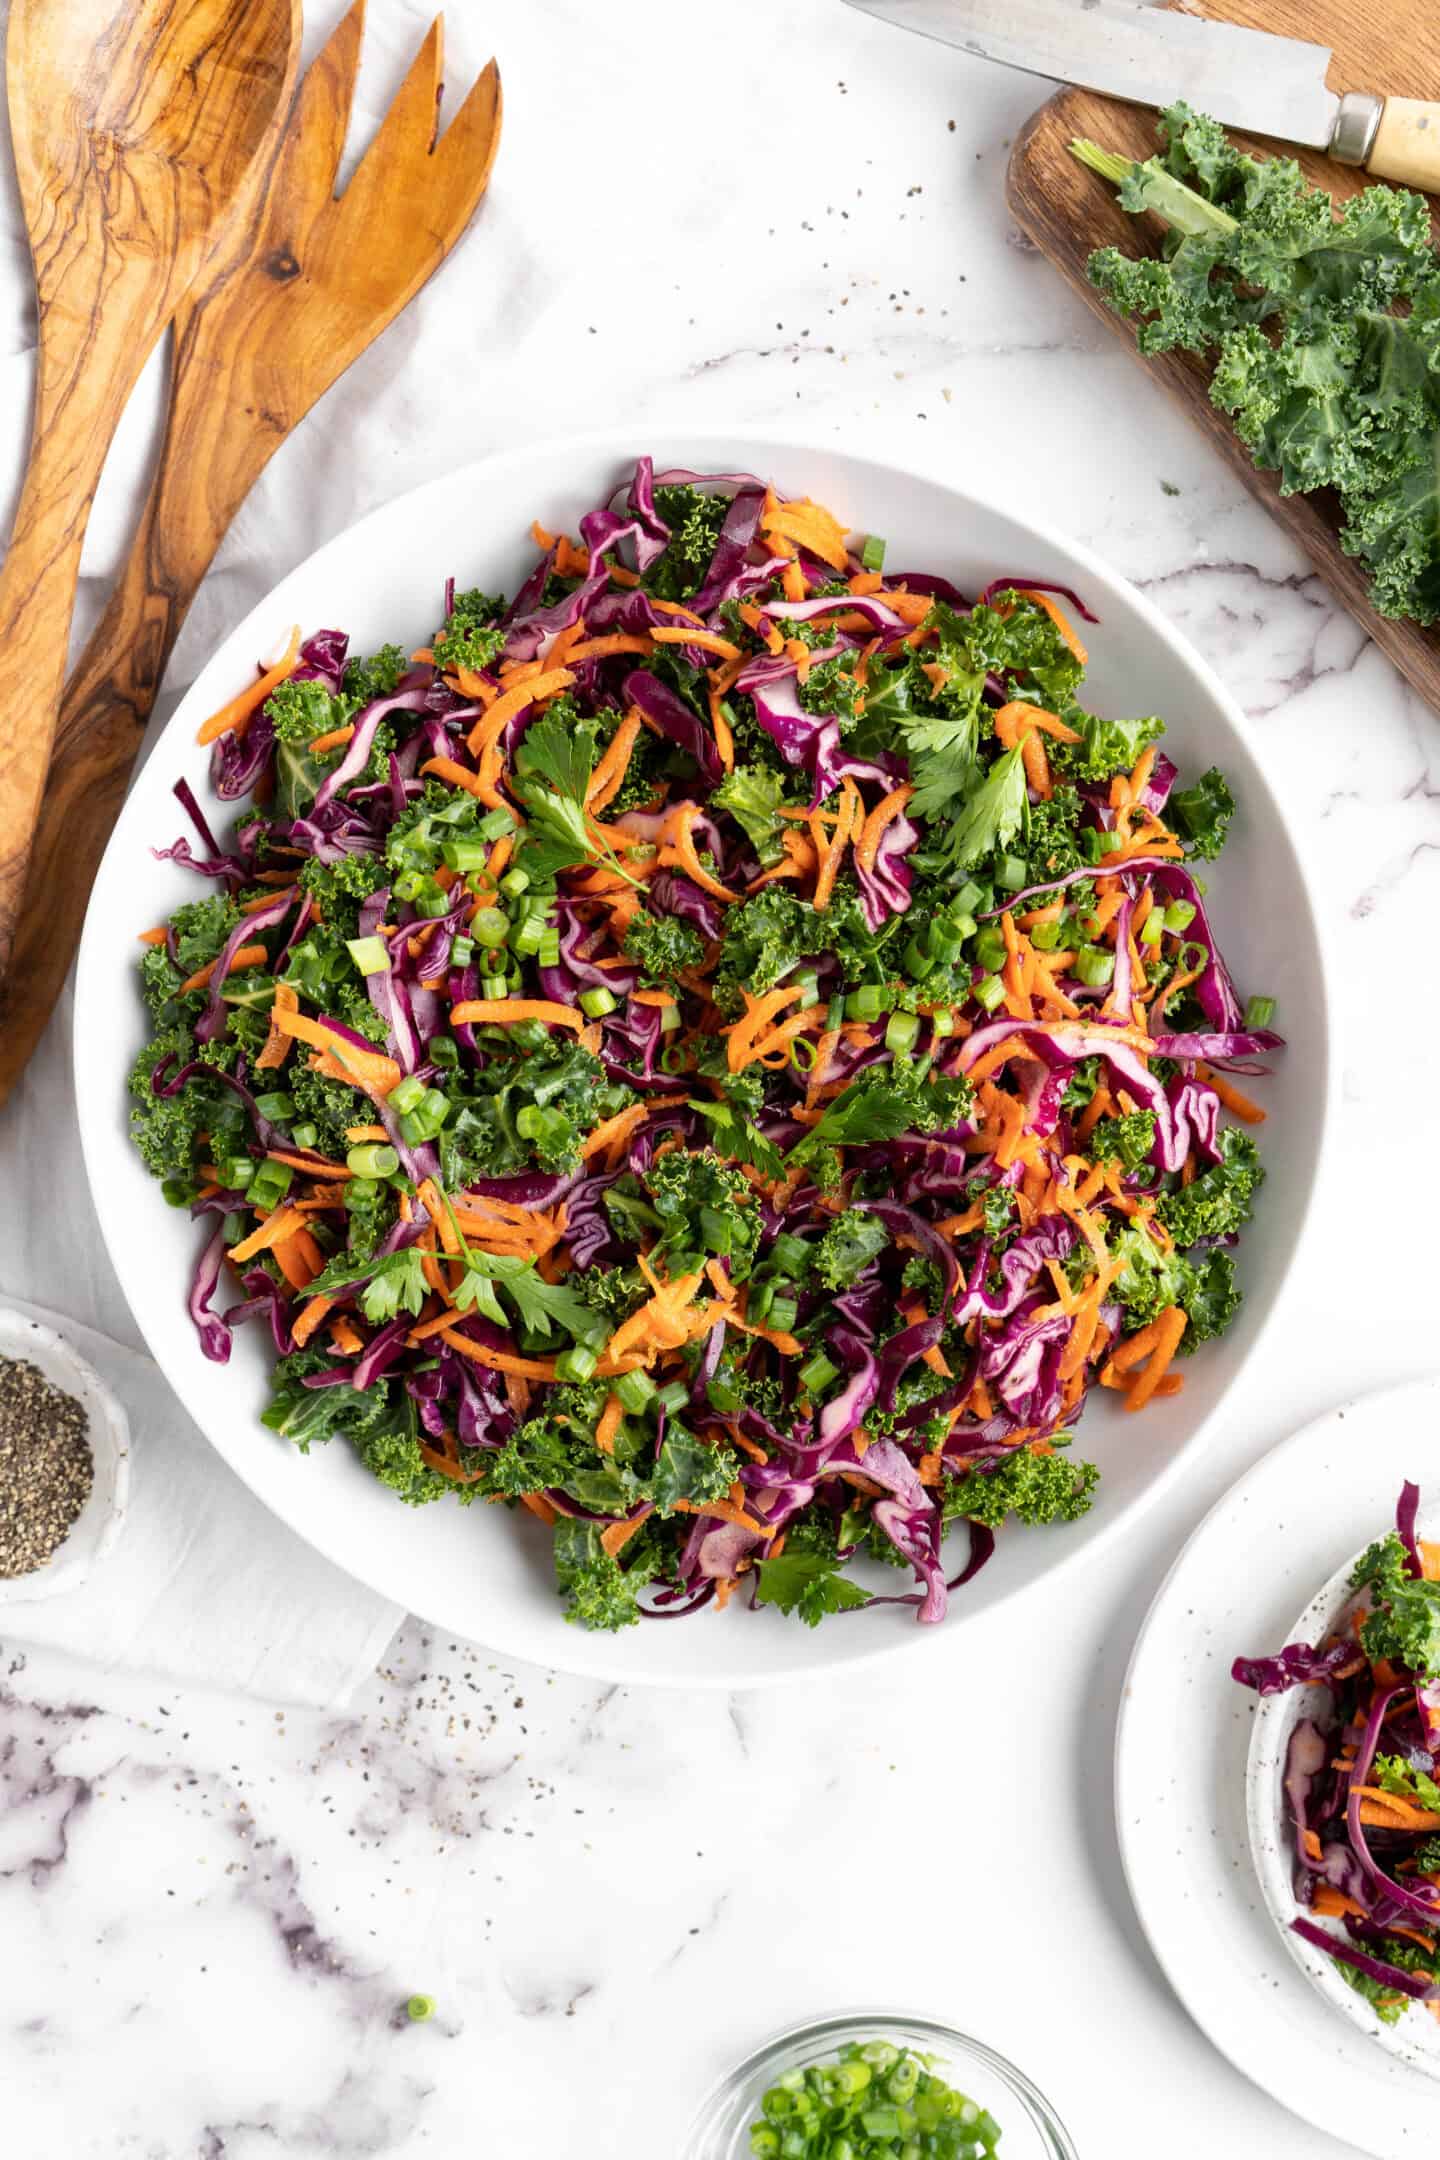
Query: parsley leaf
(809, 1584)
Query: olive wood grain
(1067, 211)
(134, 123)
(298, 287)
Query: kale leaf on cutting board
(1325, 328)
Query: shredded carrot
(234, 718)
(613, 1129)
(885, 813)
(370, 1069)
(618, 1535)
(707, 640)
(319, 744)
(681, 851)
(609, 775)
(1057, 616)
(283, 1223)
(157, 936)
(276, 1046)
(459, 776)
(248, 956)
(1248, 1112)
(1169, 1327)
(608, 1424)
(807, 525)
(508, 1012)
(492, 724)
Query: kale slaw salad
(723, 1051)
(1361, 1798)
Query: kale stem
(1151, 187)
(1108, 163)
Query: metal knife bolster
(1355, 127)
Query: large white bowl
(483, 1571)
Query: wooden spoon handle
(210, 461)
(75, 417)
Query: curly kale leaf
(694, 521)
(472, 637)
(1403, 1624)
(704, 1208)
(852, 1241)
(599, 1592)
(1034, 1488)
(753, 796)
(1219, 1201)
(1338, 389)
(662, 946)
(1203, 812)
(1126, 1140)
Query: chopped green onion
(636, 1391)
(1047, 936)
(420, 2007)
(989, 992)
(673, 1397)
(783, 1313)
(1152, 929)
(902, 1032)
(495, 824)
(864, 1003)
(1108, 843)
(967, 900)
(490, 927)
(1095, 966)
(943, 1021)
(789, 1254)
(597, 1002)
(1013, 873)
(466, 855)
(1259, 1012)
(669, 1019)
(917, 961)
(360, 1192)
(462, 951)
(305, 1135)
(269, 1185)
(872, 555)
(1179, 915)
(407, 1094)
(991, 950)
(576, 1363)
(232, 1229)
(514, 883)
(528, 936)
(549, 953)
(802, 1053)
(494, 960)
(372, 1161)
(239, 1172)
(370, 954)
(817, 1372)
(276, 1105)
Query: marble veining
(212, 1912)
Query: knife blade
(1246, 79)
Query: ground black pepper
(46, 1467)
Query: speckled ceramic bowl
(97, 1526)
(1415, 2037)
(1029, 2126)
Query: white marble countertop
(212, 1911)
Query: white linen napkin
(204, 1585)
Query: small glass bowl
(1029, 2126)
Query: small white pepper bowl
(97, 1526)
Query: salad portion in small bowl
(1344, 1788)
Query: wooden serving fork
(298, 287)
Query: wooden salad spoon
(296, 290)
(135, 122)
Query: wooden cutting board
(1381, 45)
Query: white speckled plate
(1181, 1766)
(1415, 2036)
